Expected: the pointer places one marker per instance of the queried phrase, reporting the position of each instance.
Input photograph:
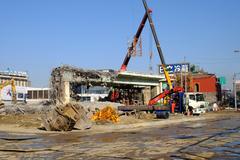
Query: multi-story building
(20, 78)
(237, 85)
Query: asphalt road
(214, 138)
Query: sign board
(14, 73)
(164, 85)
(175, 68)
(222, 80)
(6, 93)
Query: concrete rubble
(66, 118)
(62, 77)
(16, 109)
(61, 117)
(73, 115)
(105, 115)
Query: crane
(170, 90)
(6, 83)
(167, 77)
(135, 41)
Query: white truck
(195, 102)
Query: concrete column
(37, 94)
(154, 91)
(66, 92)
(160, 87)
(146, 95)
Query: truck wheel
(162, 115)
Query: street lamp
(235, 92)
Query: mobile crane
(6, 83)
(170, 89)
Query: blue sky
(36, 36)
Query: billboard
(222, 80)
(6, 93)
(175, 68)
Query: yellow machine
(106, 114)
(6, 83)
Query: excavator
(171, 89)
(6, 83)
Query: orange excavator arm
(154, 100)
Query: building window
(20, 95)
(30, 94)
(45, 94)
(196, 87)
(192, 97)
(40, 94)
(35, 94)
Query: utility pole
(235, 90)
(185, 76)
(234, 84)
(181, 78)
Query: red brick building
(206, 83)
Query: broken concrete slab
(61, 77)
(66, 118)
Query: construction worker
(173, 105)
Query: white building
(38, 93)
(20, 78)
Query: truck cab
(196, 102)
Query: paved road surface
(215, 138)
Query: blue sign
(222, 80)
(175, 68)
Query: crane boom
(133, 44)
(158, 45)
(135, 40)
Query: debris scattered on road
(107, 114)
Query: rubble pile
(66, 118)
(105, 115)
(92, 106)
(25, 109)
(65, 73)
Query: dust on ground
(32, 122)
(210, 136)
